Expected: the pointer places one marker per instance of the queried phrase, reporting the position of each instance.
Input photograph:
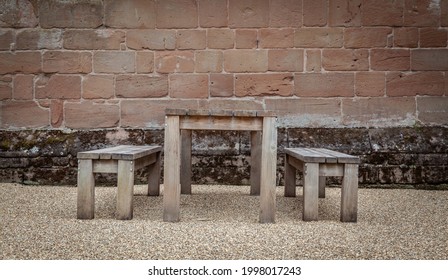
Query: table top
(219, 113)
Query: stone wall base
(414, 157)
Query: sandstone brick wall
(72, 70)
(119, 63)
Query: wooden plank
(268, 170)
(342, 158)
(171, 196)
(145, 161)
(105, 166)
(331, 169)
(175, 112)
(305, 155)
(154, 176)
(322, 185)
(86, 190)
(349, 194)
(221, 123)
(127, 152)
(310, 191)
(298, 164)
(125, 190)
(185, 162)
(290, 178)
(255, 162)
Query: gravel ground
(221, 222)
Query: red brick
(315, 13)
(345, 60)
(406, 37)
(378, 111)
(390, 59)
(369, 37)
(285, 13)
(5, 89)
(32, 39)
(248, 13)
(220, 38)
(73, 14)
(264, 84)
(58, 87)
(68, 62)
(150, 113)
(370, 84)
(421, 13)
(433, 110)
(191, 39)
(433, 37)
(213, 13)
(246, 39)
(221, 85)
(324, 84)
(98, 39)
(19, 13)
(318, 38)
(444, 12)
(313, 60)
(208, 61)
(98, 87)
(285, 60)
(151, 39)
(6, 39)
(246, 60)
(141, 86)
(177, 14)
(145, 62)
(87, 114)
(20, 62)
(429, 59)
(344, 13)
(130, 14)
(414, 83)
(189, 86)
(306, 112)
(23, 114)
(56, 113)
(382, 12)
(174, 61)
(276, 38)
(114, 62)
(23, 87)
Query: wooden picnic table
(177, 159)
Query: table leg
(322, 184)
(268, 171)
(185, 162)
(171, 196)
(310, 191)
(125, 182)
(349, 193)
(86, 190)
(255, 162)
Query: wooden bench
(316, 165)
(122, 160)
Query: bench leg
(255, 162)
(290, 178)
(310, 191)
(86, 190)
(125, 178)
(349, 193)
(154, 176)
(185, 162)
(322, 184)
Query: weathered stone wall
(354, 68)
(390, 157)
